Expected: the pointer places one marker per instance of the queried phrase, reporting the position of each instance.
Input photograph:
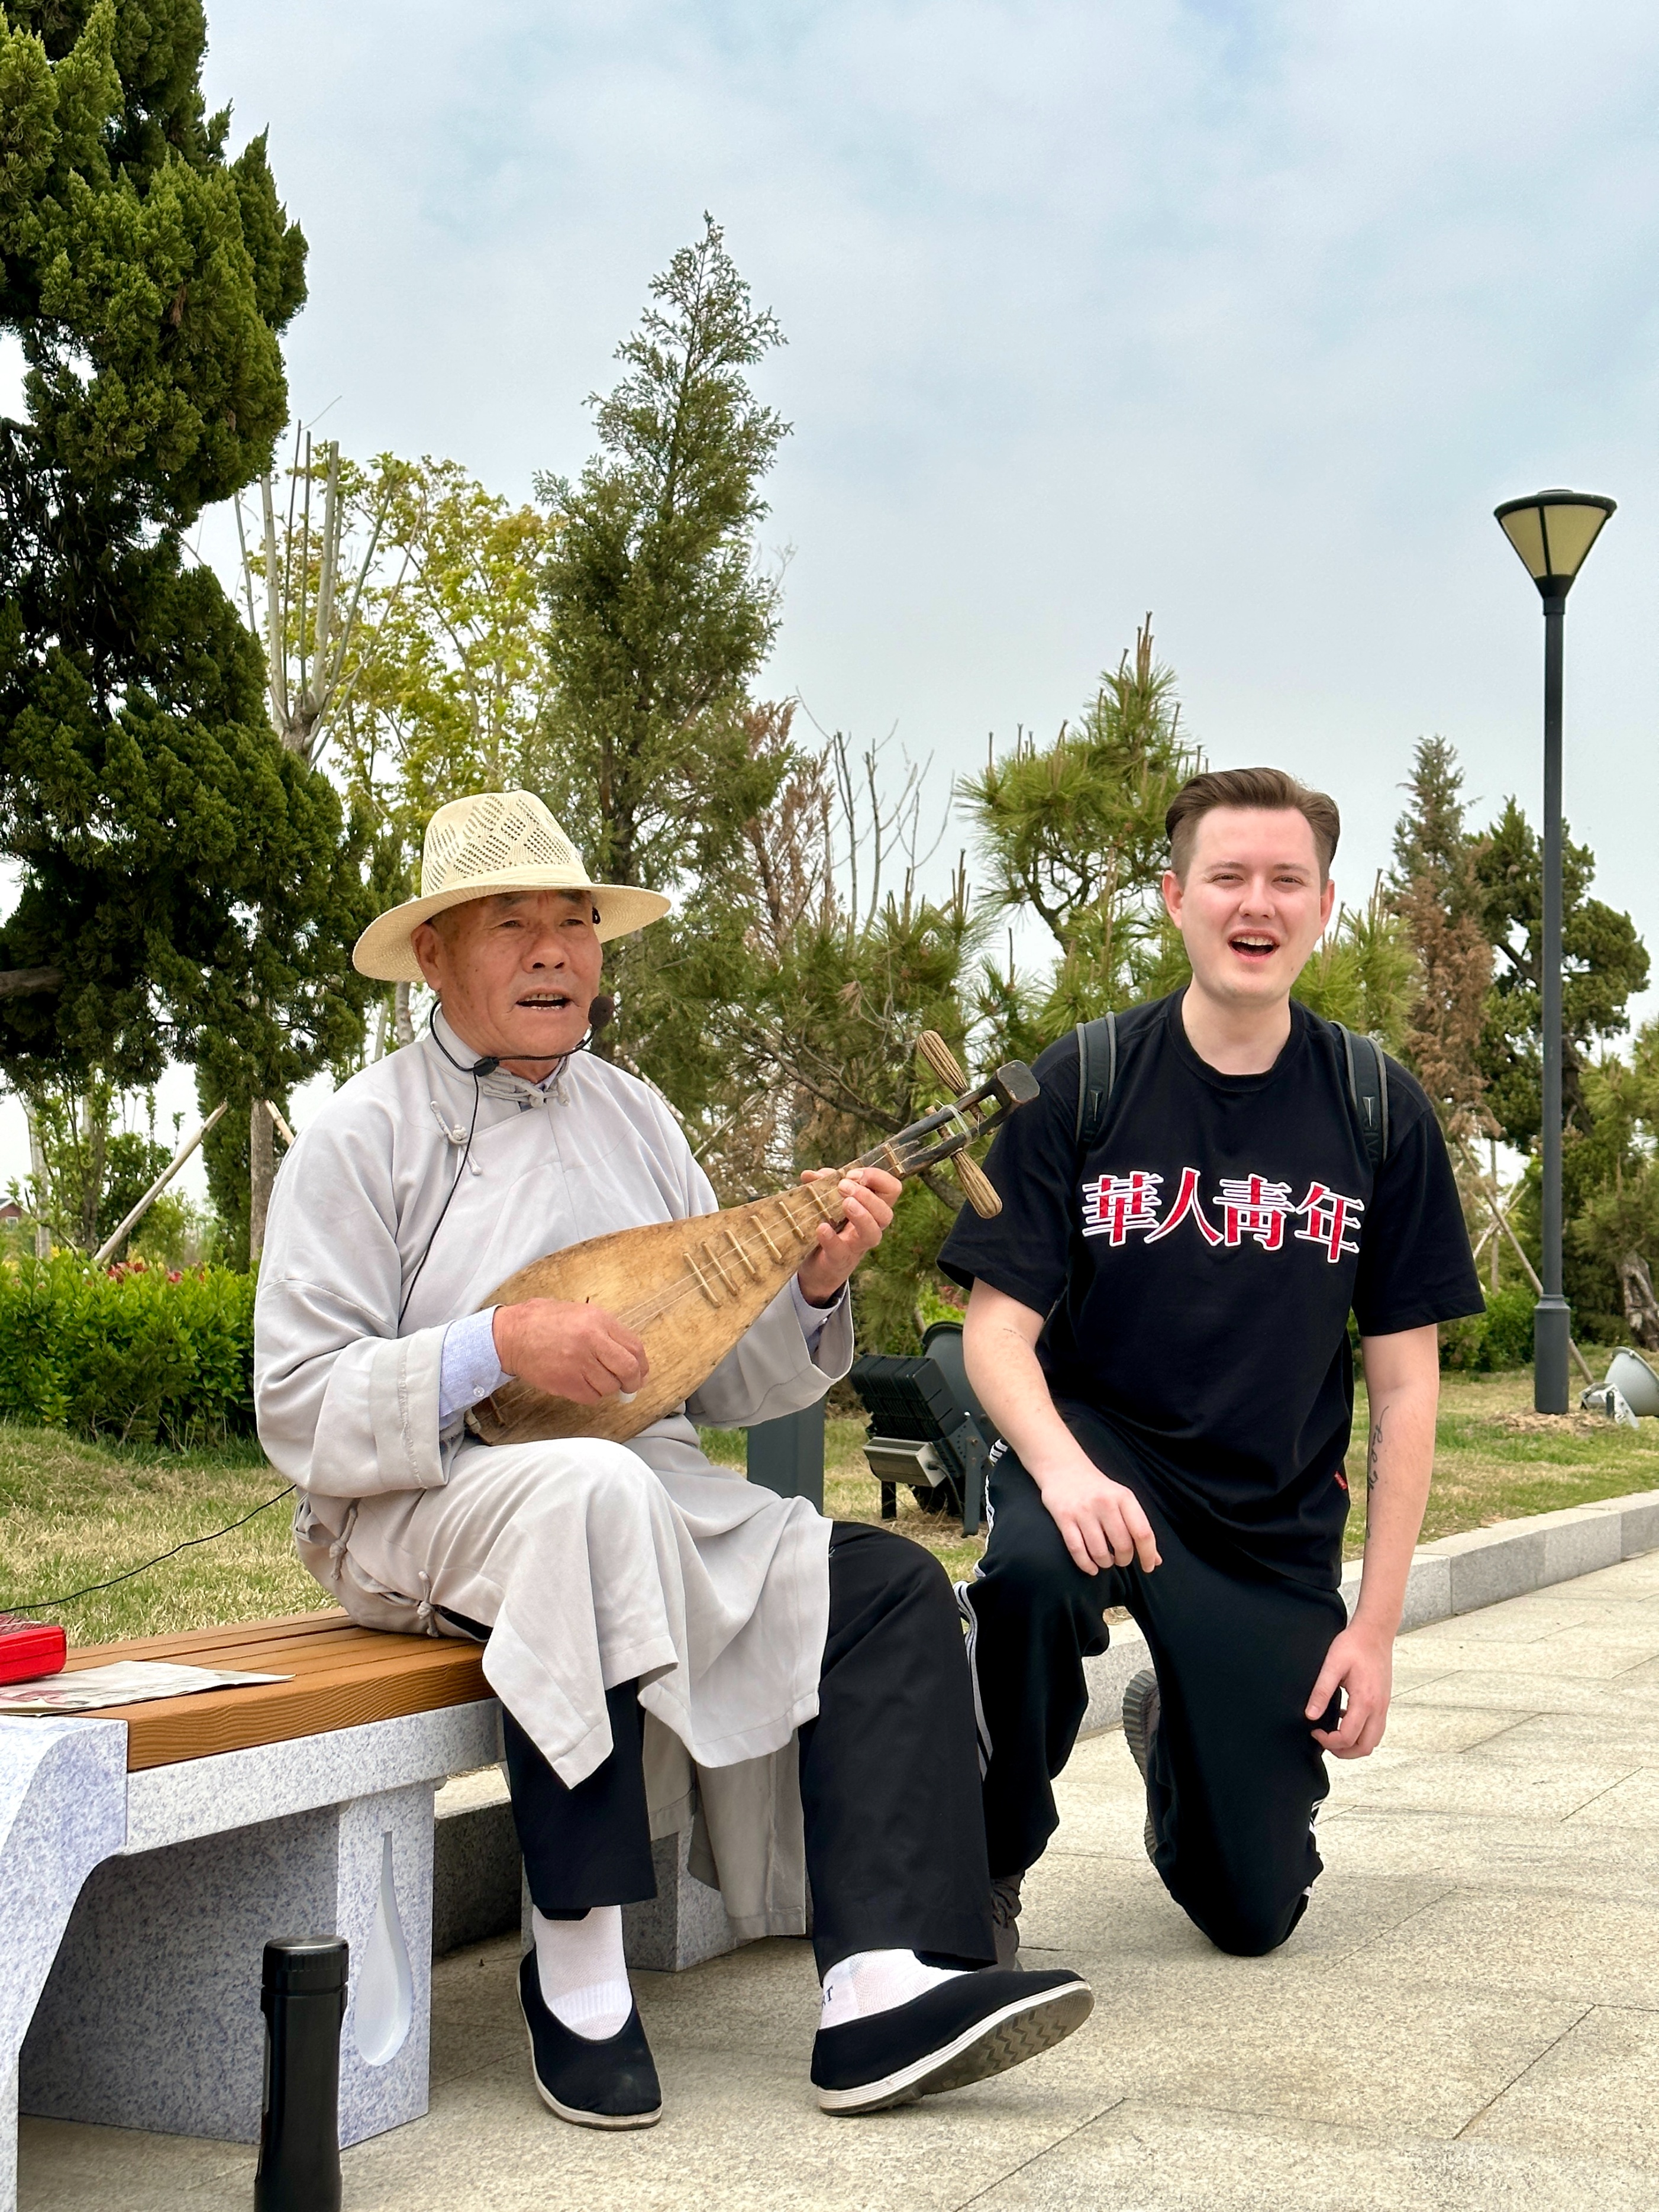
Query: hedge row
(134, 1353)
(1500, 1337)
(137, 1353)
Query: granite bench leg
(150, 2017)
(63, 1809)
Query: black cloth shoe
(1142, 1706)
(1005, 1918)
(612, 2084)
(960, 2030)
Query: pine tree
(1604, 965)
(660, 620)
(1074, 831)
(1436, 891)
(659, 616)
(187, 887)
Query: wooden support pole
(112, 1244)
(1497, 1209)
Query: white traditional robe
(595, 1562)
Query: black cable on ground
(48, 1604)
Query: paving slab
(1467, 2016)
(1141, 2157)
(1558, 1945)
(1550, 1789)
(1595, 2083)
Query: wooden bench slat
(346, 1647)
(343, 1677)
(326, 1620)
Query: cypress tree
(187, 887)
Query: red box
(30, 1648)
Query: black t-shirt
(1197, 1266)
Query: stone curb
(1454, 1575)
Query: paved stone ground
(1467, 2017)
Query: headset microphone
(601, 1011)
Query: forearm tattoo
(1375, 1451)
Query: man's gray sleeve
(346, 1406)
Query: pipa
(690, 1289)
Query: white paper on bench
(126, 1683)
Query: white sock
(875, 1981)
(583, 1974)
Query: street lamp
(1552, 532)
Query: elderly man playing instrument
(660, 1632)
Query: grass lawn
(73, 1513)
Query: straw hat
(498, 840)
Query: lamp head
(1552, 532)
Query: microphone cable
(48, 1604)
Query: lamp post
(1552, 532)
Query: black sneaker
(960, 2030)
(1005, 1918)
(610, 2084)
(1142, 1707)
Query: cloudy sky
(1243, 310)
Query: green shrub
(1500, 1337)
(134, 1353)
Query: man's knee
(1028, 1577)
(589, 1480)
(880, 1561)
(1248, 1923)
(611, 1470)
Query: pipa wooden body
(690, 1289)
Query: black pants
(1235, 1779)
(889, 1779)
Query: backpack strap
(1368, 1086)
(1097, 1076)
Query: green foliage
(1362, 973)
(1604, 963)
(146, 275)
(447, 684)
(225, 1154)
(1610, 1184)
(92, 1173)
(1501, 1337)
(134, 1354)
(1436, 893)
(659, 619)
(191, 881)
(1075, 832)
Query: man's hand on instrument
(868, 1195)
(1102, 1523)
(577, 1352)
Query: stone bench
(148, 1852)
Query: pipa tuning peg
(977, 1187)
(943, 1061)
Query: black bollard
(303, 2000)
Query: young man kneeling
(1159, 1328)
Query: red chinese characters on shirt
(1330, 1217)
(1115, 1204)
(1188, 1202)
(1251, 1208)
